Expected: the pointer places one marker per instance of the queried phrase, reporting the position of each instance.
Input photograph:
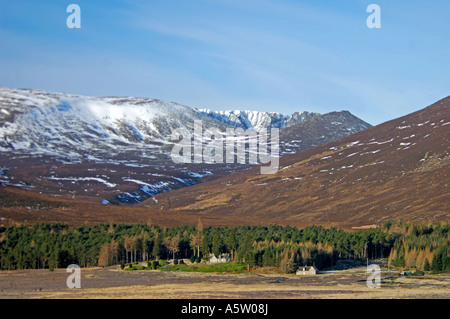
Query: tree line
(422, 246)
(45, 245)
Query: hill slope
(396, 170)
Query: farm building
(307, 270)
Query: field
(113, 283)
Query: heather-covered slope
(396, 170)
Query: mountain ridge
(258, 120)
(115, 149)
(398, 170)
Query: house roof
(307, 268)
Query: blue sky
(268, 55)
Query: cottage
(223, 258)
(307, 270)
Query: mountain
(127, 130)
(108, 149)
(299, 131)
(99, 129)
(398, 170)
(118, 149)
(258, 120)
(319, 130)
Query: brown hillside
(22, 207)
(398, 170)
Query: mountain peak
(258, 120)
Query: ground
(113, 283)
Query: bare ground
(113, 283)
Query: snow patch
(352, 154)
(381, 143)
(371, 152)
(352, 143)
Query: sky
(267, 55)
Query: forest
(415, 246)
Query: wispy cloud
(281, 55)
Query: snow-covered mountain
(117, 149)
(77, 127)
(319, 130)
(258, 120)
(93, 128)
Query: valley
(342, 191)
(397, 170)
(238, 150)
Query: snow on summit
(51, 123)
(258, 120)
(131, 130)
(60, 124)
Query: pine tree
(156, 251)
(436, 265)
(232, 243)
(426, 265)
(205, 246)
(216, 243)
(245, 248)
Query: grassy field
(230, 267)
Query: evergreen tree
(436, 264)
(426, 265)
(216, 243)
(156, 251)
(205, 246)
(245, 248)
(232, 243)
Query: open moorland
(114, 283)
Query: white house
(307, 270)
(223, 258)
